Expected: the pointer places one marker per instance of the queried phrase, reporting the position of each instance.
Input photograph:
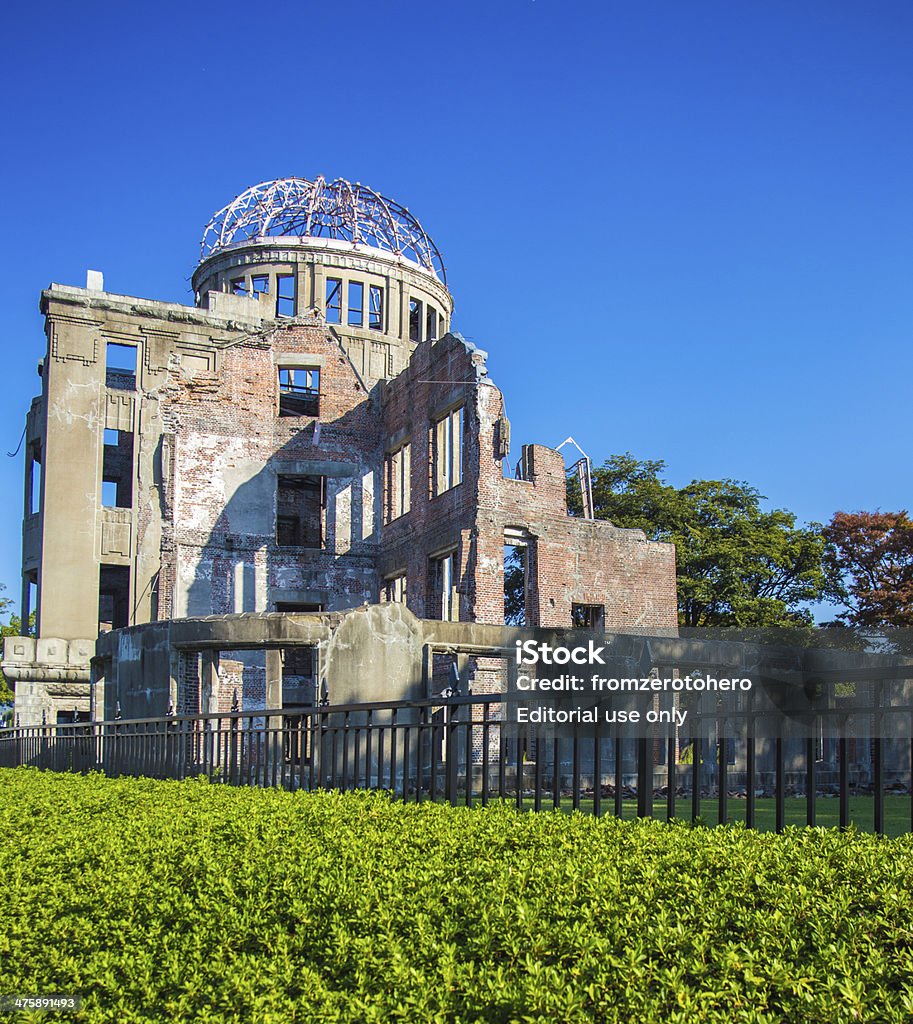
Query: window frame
(447, 432)
(396, 587)
(397, 482)
(443, 586)
(300, 400)
(281, 298)
(321, 488)
(332, 300)
(355, 315)
(415, 319)
(375, 312)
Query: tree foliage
(869, 558)
(11, 628)
(737, 564)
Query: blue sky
(680, 230)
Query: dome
(336, 210)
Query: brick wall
(228, 445)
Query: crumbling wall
(230, 448)
(570, 560)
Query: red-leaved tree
(869, 556)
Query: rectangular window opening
(120, 366)
(430, 323)
(30, 611)
(285, 295)
(395, 589)
(445, 603)
(398, 471)
(117, 469)
(259, 285)
(376, 308)
(239, 286)
(300, 505)
(113, 597)
(299, 391)
(298, 665)
(154, 597)
(516, 584)
(333, 305)
(588, 616)
(415, 320)
(33, 480)
(447, 452)
(356, 304)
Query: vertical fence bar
(618, 804)
(697, 752)
(779, 785)
(723, 779)
(518, 771)
(381, 733)
(422, 740)
(540, 769)
(597, 771)
(407, 756)
(575, 770)
(556, 773)
(843, 777)
(393, 734)
(301, 739)
(369, 749)
(486, 741)
(878, 779)
(811, 781)
(671, 777)
(750, 802)
(334, 754)
(451, 768)
(502, 755)
(644, 778)
(234, 760)
(313, 752)
(345, 752)
(469, 728)
(356, 768)
(437, 741)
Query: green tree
(11, 628)
(737, 564)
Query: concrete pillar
(209, 682)
(273, 678)
(174, 673)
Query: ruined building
(308, 437)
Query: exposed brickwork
(228, 447)
(570, 561)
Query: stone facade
(248, 455)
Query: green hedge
(168, 901)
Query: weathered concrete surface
(210, 463)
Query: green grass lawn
(862, 811)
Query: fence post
(451, 784)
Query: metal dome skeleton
(338, 210)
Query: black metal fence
(461, 750)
